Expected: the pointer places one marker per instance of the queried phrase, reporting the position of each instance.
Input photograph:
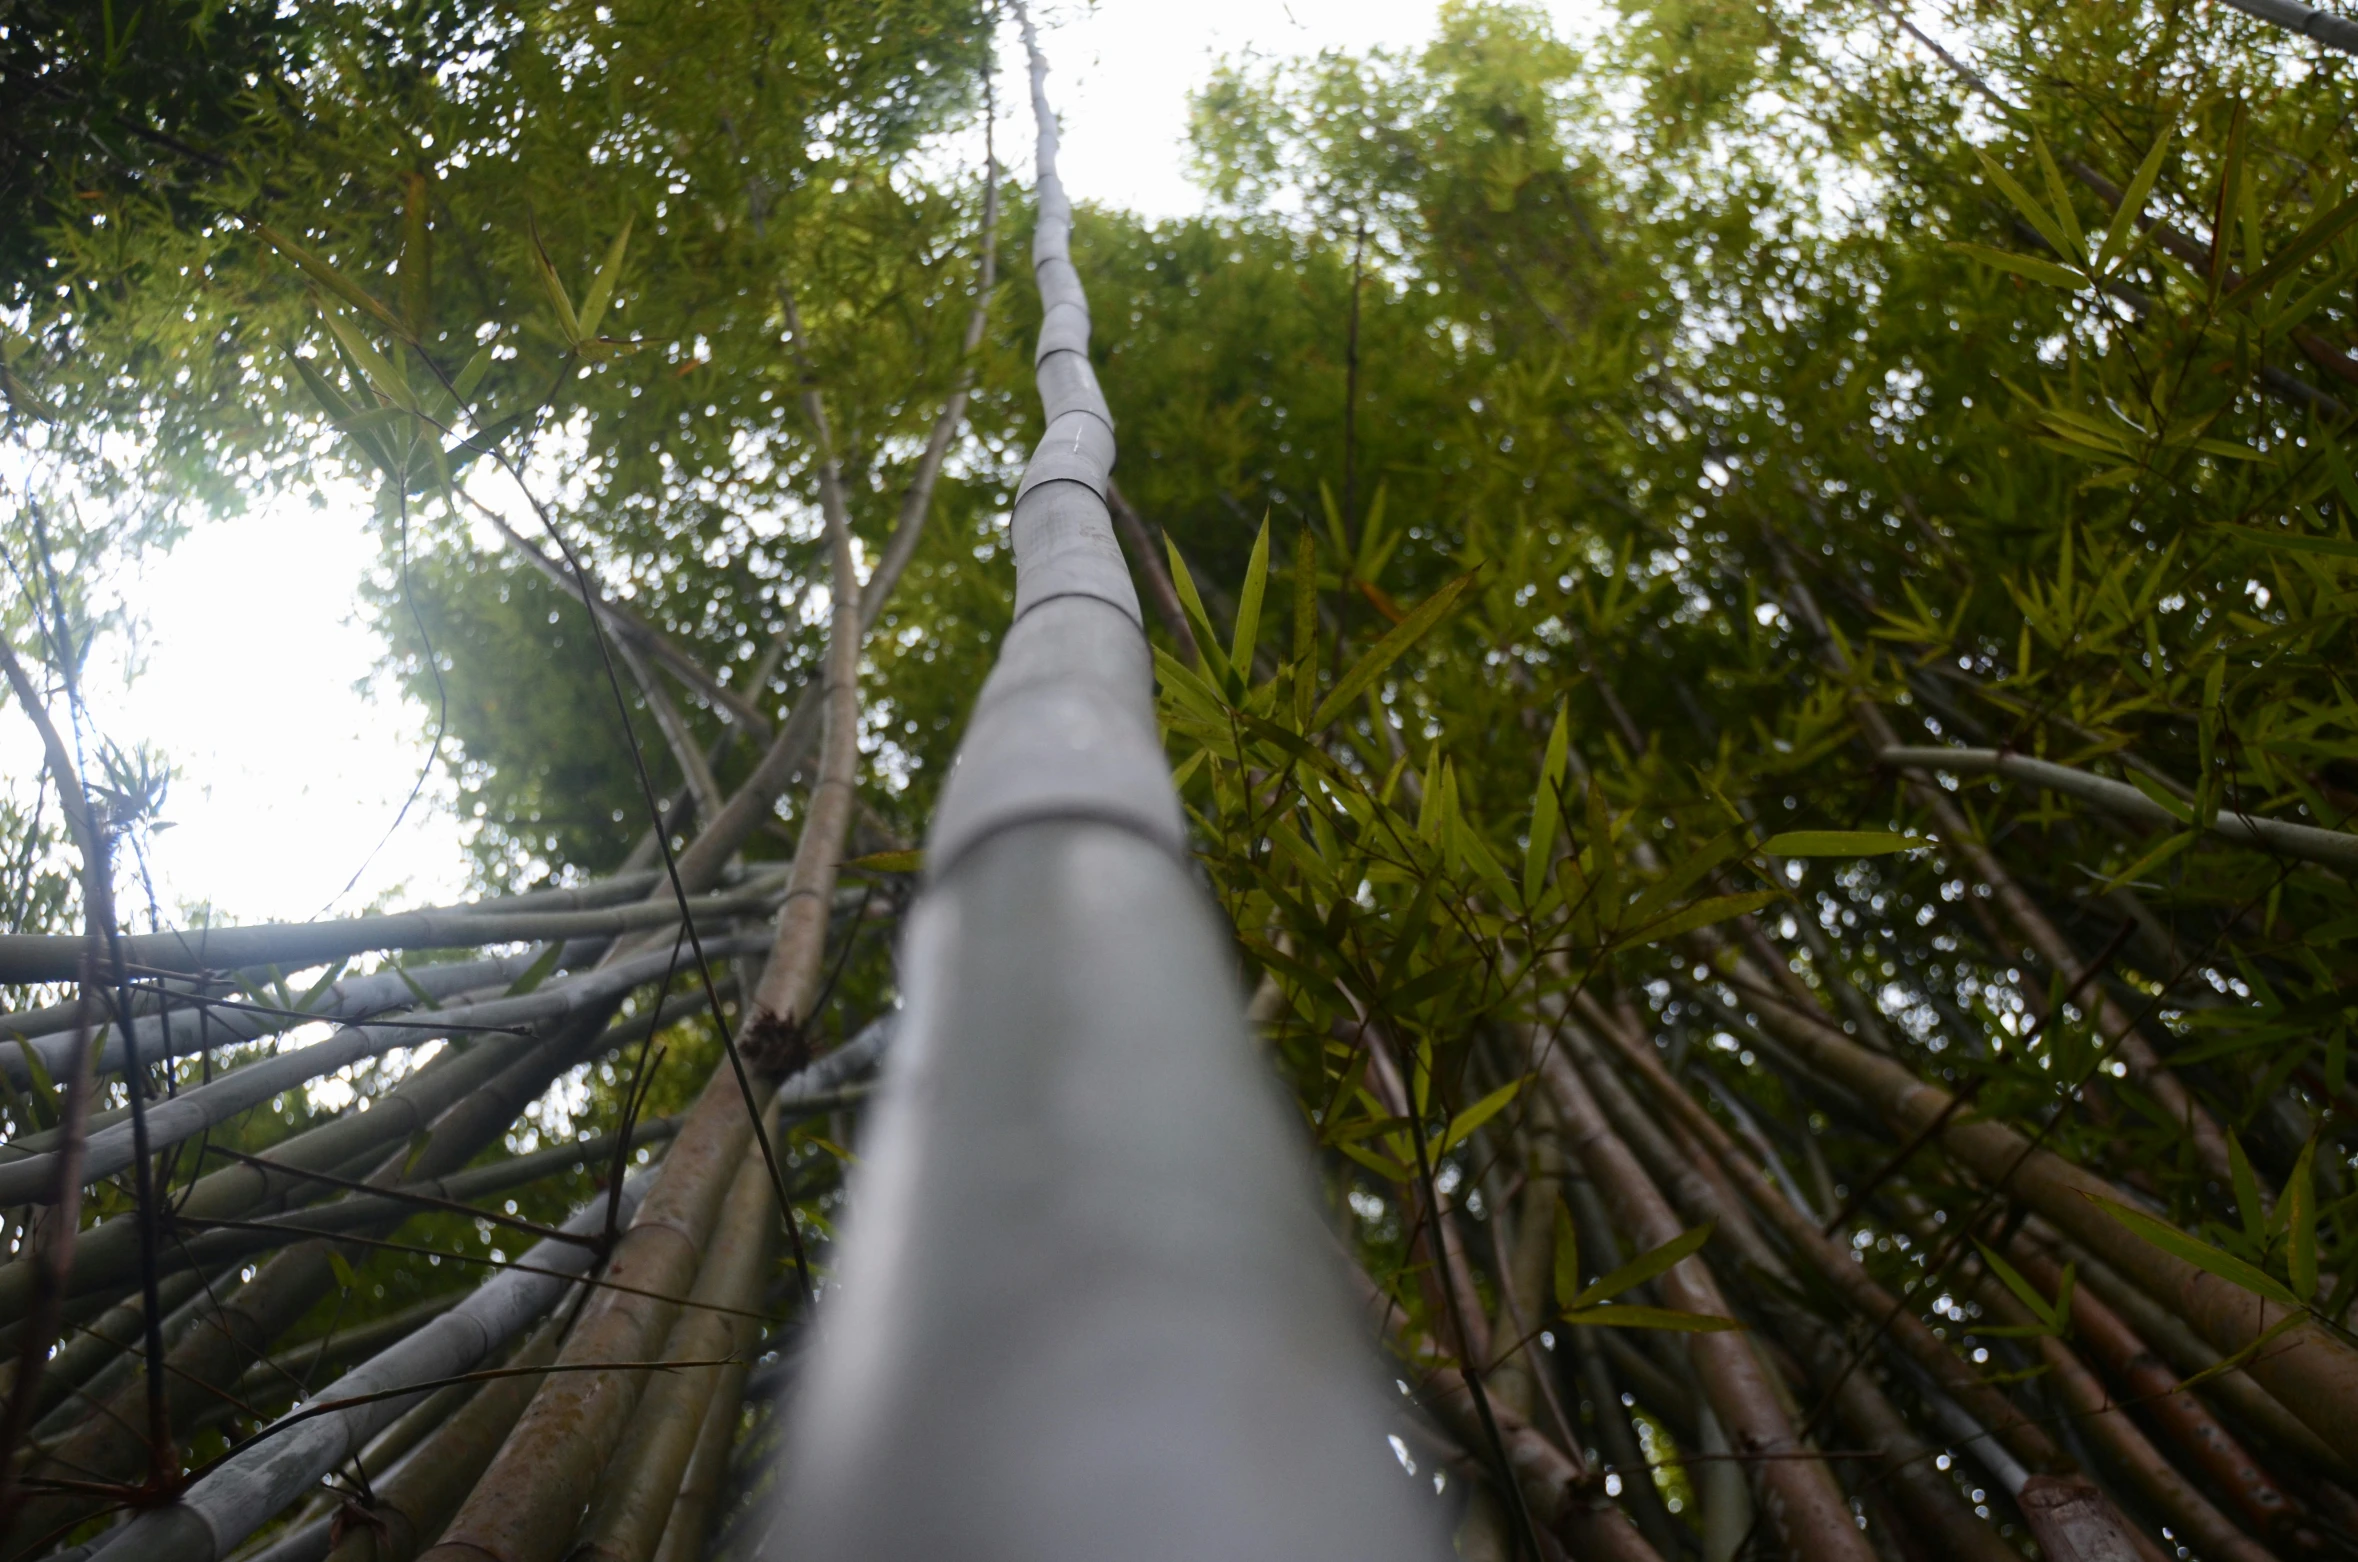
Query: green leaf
(2048, 227)
(2200, 1254)
(2320, 232)
(2235, 1362)
(1701, 914)
(1382, 1165)
(2029, 266)
(1476, 1115)
(1619, 1317)
(601, 288)
(2304, 542)
(1248, 606)
(1200, 621)
(2299, 1209)
(2051, 1315)
(345, 1278)
(2248, 1207)
(42, 1090)
(326, 275)
(1388, 650)
(1644, 1267)
(2169, 847)
(1840, 843)
(568, 323)
(890, 862)
(1567, 1264)
(2124, 218)
(383, 375)
(1375, 548)
(2060, 194)
(538, 972)
(1547, 808)
(2223, 216)
(472, 375)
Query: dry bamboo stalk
(224, 1342)
(244, 1492)
(2244, 1400)
(27, 957)
(2307, 1369)
(416, 1499)
(1804, 1505)
(699, 1495)
(1944, 1522)
(1526, 1269)
(2135, 1052)
(498, 1068)
(2074, 1522)
(635, 1496)
(1464, 1307)
(2191, 1515)
(1563, 1497)
(203, 1107)
(2189, 1423)
(2023, 1437)
(526, 1505)
(530, 1498)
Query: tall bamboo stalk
(1083, 1287)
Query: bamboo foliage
(1750, 634)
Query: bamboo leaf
(2029, 266)
(2060, 193)
(2304, 542)
(2248, 1207)
(326, 275)
(1644, 1267)
(1388, 650)
(2045, 222)
(1701, 914)
(601, 288)
(472, 375)
(2300, 1224)
(2201, 1255)
(1248, 606)
(1670, 1318)
(538, 971)
(1192, 602)
(568, 323)
(1546, 807)
(2321, 231)
(1840, 843)
(2124, 218)
(2051, 1315)
(1567, 1265)
(1476, 1115)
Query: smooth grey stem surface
(206, 1106)
(28, 957)
(246, 1490)
(2335, 32)
(1086, 1289)
(195, 1026)
(2328, 848)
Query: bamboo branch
(35, 958)
(1805, 1506)
(2332, 848)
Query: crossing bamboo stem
(1804, 1505)
(635, 1497)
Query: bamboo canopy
(1669, 881)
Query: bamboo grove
(1744, 618)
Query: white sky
(252, 646)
